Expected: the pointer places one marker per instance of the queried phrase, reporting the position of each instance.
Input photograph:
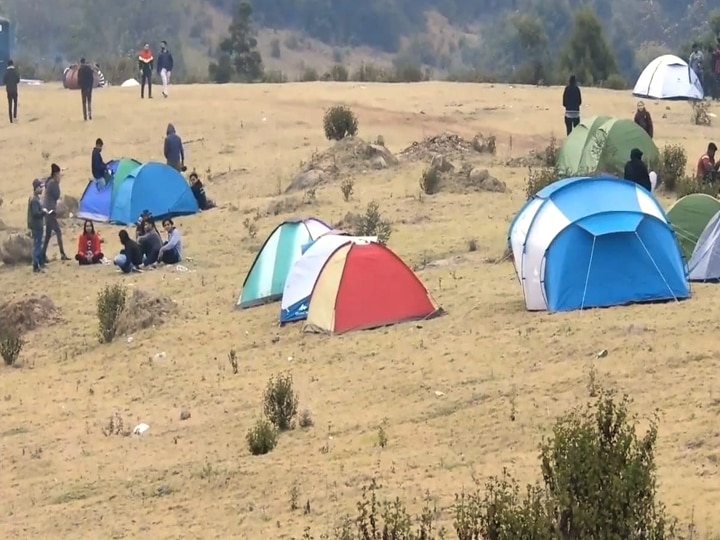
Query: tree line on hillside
(516, 40)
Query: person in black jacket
(572, 100)
(11, 80)
(86, 82)
(165, 66)
(636, 170)
(130, 257)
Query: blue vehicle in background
(5, 43)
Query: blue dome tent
(153, 186)
(595, 242)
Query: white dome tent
(668, 77)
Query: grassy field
(445, 390)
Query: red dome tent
(363, 286)
(70, 80)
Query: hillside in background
(493, 36)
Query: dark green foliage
(672, 166)
(430, 181)
(110, 304)
(239, 49)
(339, 73)
(11, 344)
(587, 54)
(339, 122)
(372, 223)
(262, 438)
(280, 402)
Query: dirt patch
(448, 144)
(67, 207)
(346, 157)
(16, 249)
(533, 158)
(443, 175)
(144, 309)
(28, 313)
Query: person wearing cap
(52, 196)
(86, 82)
(636, 170)
(707, 169)
(36, 221)
(643, 119)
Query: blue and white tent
(595, 242)
(304, 273)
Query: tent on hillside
(363, 286)
(595, 242)
(668, 77)
(96, 201)
(265, 281)
(153, 186)
(704, 265)
(304, 273)
(601, 144)
(689, 216)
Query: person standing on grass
(35, 222)
(11, 80)
(86, 82)
(643, 119)
(173, 149)
(572, 100)
(165, 66)
(52, 196)
(145, 64)
(696, 60)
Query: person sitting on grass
(145, 217)
(130, 257)
(89, 250)
(171, 251)
(150, 244)
(198, 190)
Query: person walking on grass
(35, 222)
(164, 67)
(52, 195)
(572, 100)
(86, 82)
(11, 80)
(145, 64)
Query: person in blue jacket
(165, 66)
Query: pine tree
(587, 54)
(241, 46)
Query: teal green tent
(120, 169)
(265, 281)
(689, 216)
(601, 144)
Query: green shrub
(538, 178)
(309, 74)
(598, 481)
(280, 402)
(672, 166)
(430, 181)
(110, 304)
(11, 344)
(373, 224)
(262, 438)
(339, 122)
(616, 82)
(688, 185)
(550, 155)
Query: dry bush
(110, 304)
(430, 181)
(143, 310)
(11, 344)
(672, 166)
(280, 402)
(339, 122)
(700, 116)
(687, 185)
(28, 313)
(538, 178)
(16, 249)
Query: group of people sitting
(147, 249)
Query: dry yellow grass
(60, 477)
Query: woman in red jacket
(89, 249)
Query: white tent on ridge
(668, 77)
